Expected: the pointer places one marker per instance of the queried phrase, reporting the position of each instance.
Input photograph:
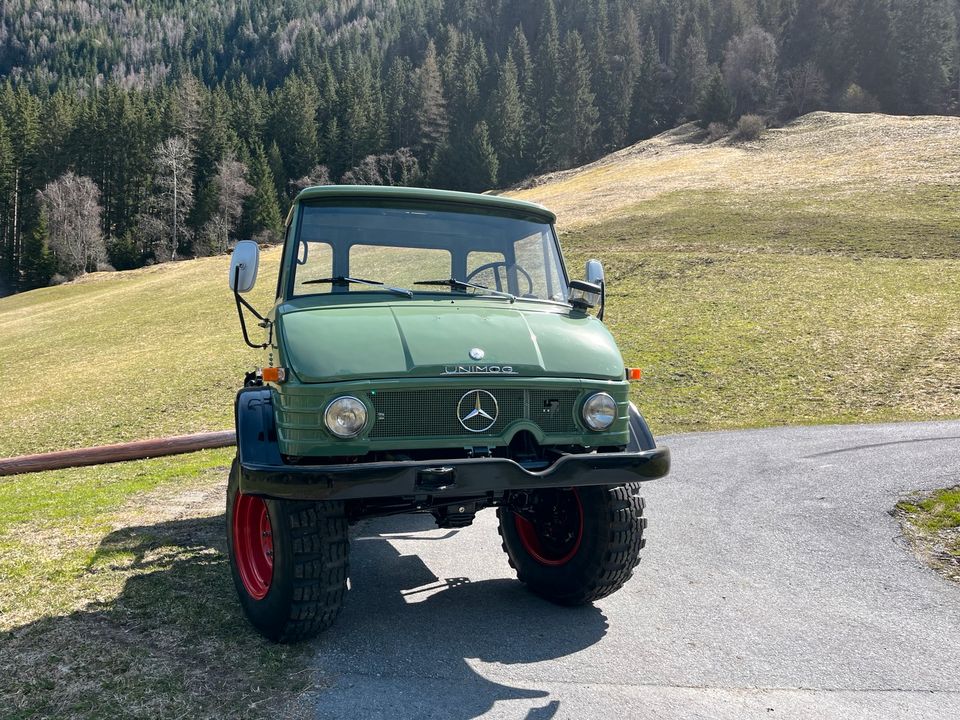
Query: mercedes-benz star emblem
(477, 353)
(477, 411)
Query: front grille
(433, 413)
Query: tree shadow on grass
(173, 642)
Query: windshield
(402, 246)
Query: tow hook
(437, 478)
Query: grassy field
(813, 276)
(116, 599)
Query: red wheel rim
(253, 544)
(546, 550)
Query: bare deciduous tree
(71, 205)
(803, 88)
(396, 168)
(174, 181)
(750, 69)
(232, 189)
(318, 175)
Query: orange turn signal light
(634, 374)
(273, 374)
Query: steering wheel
(496, 276)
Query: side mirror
(594, 272)
(594, 275)
(244, 264)
(584, 295)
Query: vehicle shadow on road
(410, 644)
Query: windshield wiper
(463, 285)
(344, 280)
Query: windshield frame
(286, 279)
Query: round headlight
(599, 411)
(345, 417)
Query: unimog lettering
(479, 370)
(380, 287)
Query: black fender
(640, 436)
(256, 427)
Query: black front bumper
(447, 478)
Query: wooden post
(139, 450)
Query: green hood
(435, 339)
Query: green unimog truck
(427, 352)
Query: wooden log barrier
(138, 450)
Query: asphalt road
(774, 584)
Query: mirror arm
(603, 300)
(241, 303)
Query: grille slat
(433, 413)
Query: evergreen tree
(520, 52)
(360, 132)
(23, 121)
(293, 125)
(38, 263)
(261, 210)
(545, 73)
(597, 46)
(482, 165)
(399, 103)
(466, 74)
(432, 118)
(623, 77)
(215, 141)
(247, 116)
(655, 104)
(716, 103)
(874, 50)
(692, 72)
(924, 30)
(573, 116)
(507, 122)
(8, 266)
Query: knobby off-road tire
(582, 564)
(289, 561)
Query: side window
(534, 255)
(312, 260)
(487, 268)
(282, 275)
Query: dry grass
(822, 155)
(811, 276)
(124, 356)
(124, 607)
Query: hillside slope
(876, 184)
(125, 355)
(777, 282)
(809, 277)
